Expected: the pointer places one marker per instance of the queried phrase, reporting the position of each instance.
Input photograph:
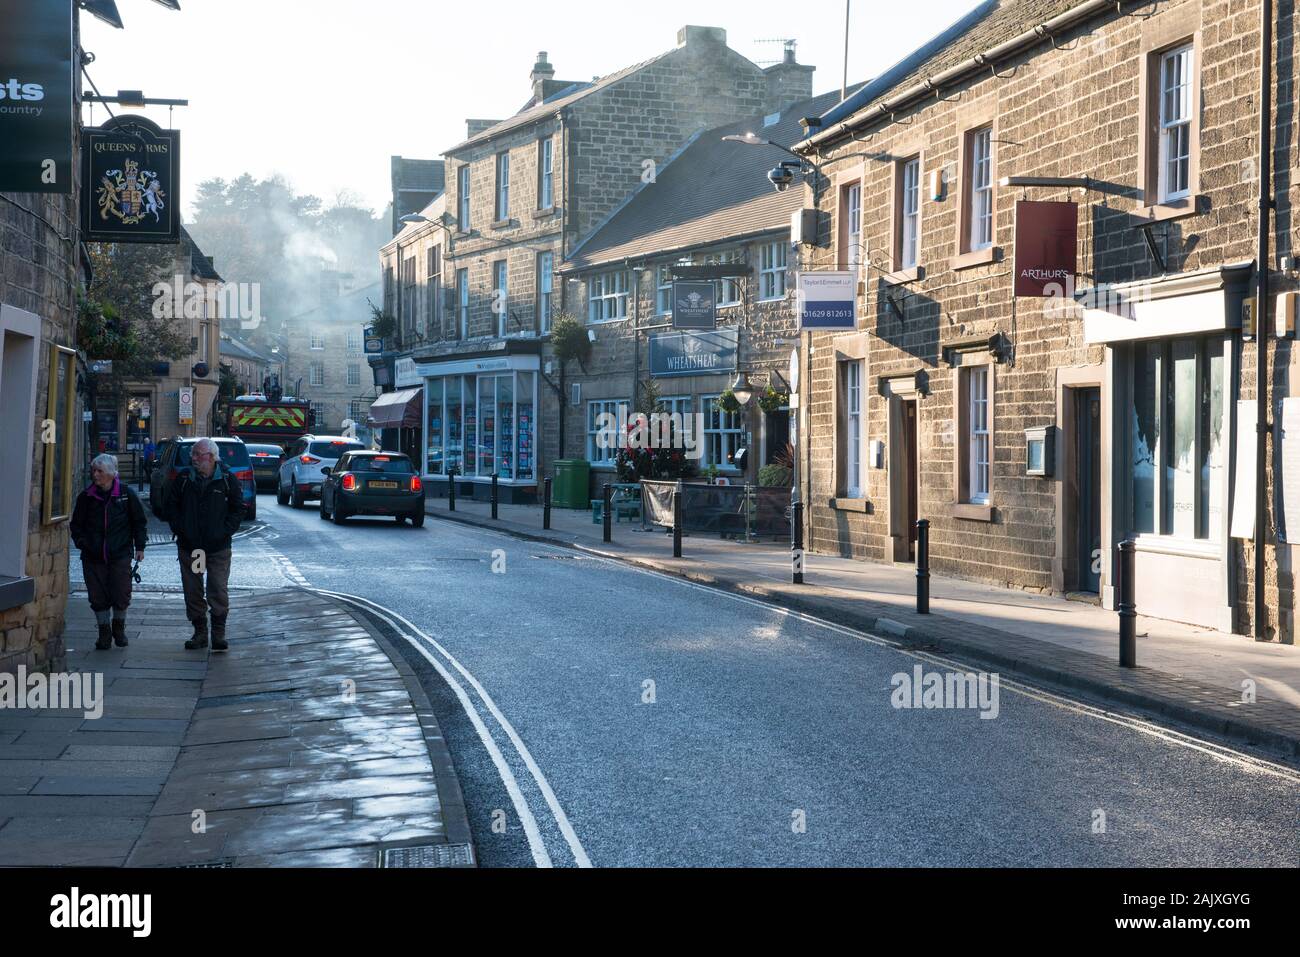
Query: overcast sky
(325, 91)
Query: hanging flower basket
(773, 401)
(727, 402)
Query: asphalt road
(647, 721)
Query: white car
(300, 472)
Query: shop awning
(401, 409)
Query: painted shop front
(1162, 420)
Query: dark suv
(174, 458)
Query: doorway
(904, 475)
(1087, 480)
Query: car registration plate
(383, 485)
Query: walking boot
(200, 639)
(105, 639)
(119, 632)
(219, 633)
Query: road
(618, 717)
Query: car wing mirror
(325, 471)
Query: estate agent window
(545, 173)
(722, 434)
(771, 276)
(851, 396)
(597, 437)
(607, 297)
(1177, 438)
(482, 425)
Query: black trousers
(109, 585)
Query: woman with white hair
(108, 525)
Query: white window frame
(433, 286)
(664, 290)
(598, 457)
(463, 191)
(1175, 124)
(503, 186)
(356, 410)
(316, 374)
(729, 289)
(979, 437)
(354, 373)
(909, 249)
(354, 342)
(462, 302)
(317, 339)
(723, 429)
(501, 293)
(981, 189)
(853, 423)
(853, 227)
(607, 295)
(546, 173)
(772, 267)
(545, 290)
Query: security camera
(781, 177)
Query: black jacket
(108, 526)
(204, 517)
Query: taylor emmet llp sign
(1046, 247)
(828, 300)
(693, 353)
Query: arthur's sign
(36, 111)
(1046, 247)
(130, 176)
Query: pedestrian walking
(204, 505)
(108, 526)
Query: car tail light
(416, 484)
(308, 460)
(349, 482)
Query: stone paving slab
(286, 770)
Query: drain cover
(428, 855)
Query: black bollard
(1127, 608)
(494, 494)
(546, 504)
(677, 523)
(923, 566)
(796, 541)
(608, 512)
(451, 489)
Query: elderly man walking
(108, 525)
(204, 506)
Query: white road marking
(561, 819)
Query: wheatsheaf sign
(36, 108)
(130, 178)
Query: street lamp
(741, 389)
(782, 175)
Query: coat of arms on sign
(131, 194)
(691, 301)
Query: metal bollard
(796, 541)
(607, 511)
(546, 504)
(494, 494)
(677, 523)
(1127, 607)
(451, 489)
(923, 566)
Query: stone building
(1036, 433)
(249, 367)
(324, 359)
(711, 203)
(520, 193)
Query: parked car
(266, 465)
(373, 483)
(174, 458)
(300, 474)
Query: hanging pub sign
(130, 177)
(695, 305)
(1046, 248)
(694, 353)
(828, 300)
(374, 344)
(36, 99)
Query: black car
(373, 483)
(266, 465)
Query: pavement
(1197, 677)
(310, 744)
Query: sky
(324, 92)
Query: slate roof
(200, 265)
(710, 192)
(234, 347)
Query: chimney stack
(542, 72)
(788, 82)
